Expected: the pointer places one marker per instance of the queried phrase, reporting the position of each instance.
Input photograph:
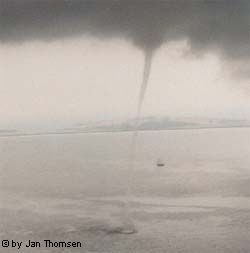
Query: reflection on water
(72, 188)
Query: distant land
(146, 123)
(159, 123)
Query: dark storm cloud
(223, 26)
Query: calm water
(73, 187)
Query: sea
(82, 188)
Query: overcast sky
(71, 61)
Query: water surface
(73, 187)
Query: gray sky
(79, 60)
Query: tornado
(128, 224)
(144, 84)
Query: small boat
(160, 163)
